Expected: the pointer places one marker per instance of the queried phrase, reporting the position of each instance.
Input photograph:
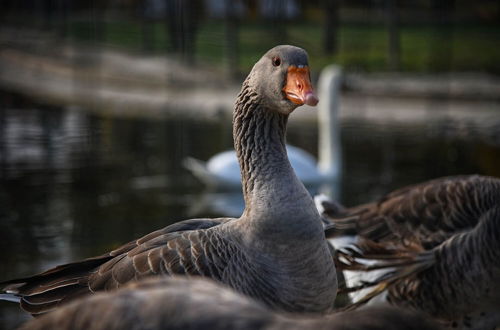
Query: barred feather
(435, 247)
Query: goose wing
(186, 247)
(457, 281)
(425, 214)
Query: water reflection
(74, 185)
(229, 203)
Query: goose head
(282, 80)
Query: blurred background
(102, 101)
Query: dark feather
(143, 257)
(425, 214)
(437, 244)
(178, 303)
(457, 278)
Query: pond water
(75, 184)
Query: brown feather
(178, 303)
(441, 249)
(427, 213)
(43, 292)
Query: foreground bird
(180, 303)
(275, 252)
(434, 247)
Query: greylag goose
(275, 252)
(222, 170)
(180, 303)
(434, 247)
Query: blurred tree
(97, 11)
(63, 8)
(441, 54)
(394, 48)
(182, 18)
(331, 26)
(150, 12)
(232, 49)
(3, 140)
(278, 12)
(47, 8)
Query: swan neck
(329, 152)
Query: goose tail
(388, 264)
(459, 274)
(41, 293)
(10, 297)
(350, 221)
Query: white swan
(222, 170)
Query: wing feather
(427, 213)
(176, 249)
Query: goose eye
(276, 61)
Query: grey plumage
(275, 252)
(461, 280)
(440, 244)
(426, 213)
(178, 303)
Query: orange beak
(298, 88)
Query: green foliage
(361, 47)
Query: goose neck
(259, 139)
(274, 196)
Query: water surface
(75, 184)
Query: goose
(177, 303)
(222, 170)
(434, 247)
(276, 252)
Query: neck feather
(274, 197)
(259, 140)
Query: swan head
(282, 79)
